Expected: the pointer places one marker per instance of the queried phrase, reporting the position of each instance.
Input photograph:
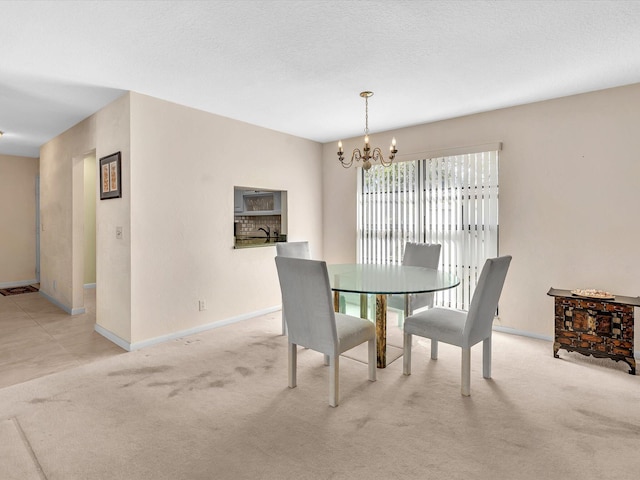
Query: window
(260, 217)
(451, 200)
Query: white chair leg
(406, 354)
(293, 353)
(334, 383)
(486, 358)
(284, 325)
(326, 360)
(372, 360)
(434, 349)
(466, 372)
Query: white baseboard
(69, 310)
(130, 347)
(21, 283)
(202, 328)
(112, 337)
(522, 333)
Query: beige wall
(62, 219)
(569, 177)
(184, 166)
(56, 211)
(179, 167)
(17, 220)
(568, 186)
(113, 256)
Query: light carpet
(216, 406)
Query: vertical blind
(450, 200)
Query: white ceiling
(299, 66)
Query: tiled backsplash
(247, 226)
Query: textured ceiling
(298, 66)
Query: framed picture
(110, 177)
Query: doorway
(89, 238)
(90, 221)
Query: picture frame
(110, 177)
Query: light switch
(119, 233)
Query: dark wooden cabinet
(590, 326)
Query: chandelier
(367, 155)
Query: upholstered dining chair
(312, 323)
(294, 250)
(463, 329)
(416, 255)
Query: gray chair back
(421, 254)
(293, 249)
(425, 255)
(485, 299)
(307, 303)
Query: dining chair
(416, 255)
(293, 250)
(459, 328)
(312, 322)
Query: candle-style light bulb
(366, 139)
(340, 145)
(393, 142)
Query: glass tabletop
(388, 279)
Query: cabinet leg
(632, 365)
(556, 347)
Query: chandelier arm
(345, 164)
(378, 157)
(342, 162)
(341, 158)
(356, 155)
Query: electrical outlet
(202, 305)
(119, 233)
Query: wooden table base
(381, 323)
(381, 330)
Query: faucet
(267, 231)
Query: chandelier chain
(366, 115)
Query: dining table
(383, 280)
